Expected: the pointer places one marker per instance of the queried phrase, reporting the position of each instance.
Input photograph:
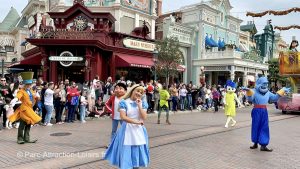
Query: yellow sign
(137, 44)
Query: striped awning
(7, 41)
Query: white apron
(134, 133)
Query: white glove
(13, 102)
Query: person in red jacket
(73, 98)
(112, 106)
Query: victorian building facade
(80, 39)
(217, 41)
(170, 26)
(12, 32)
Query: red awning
(33, 60)
(124, 60)
(181, 68)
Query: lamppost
(155, 56)
(3, 55)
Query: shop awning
(124, 60)
(181, 68)
(33, 60)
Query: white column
(256, 76)
(118, 20)
(245, 79)
(232, 73)
(137, 20)
(152, 29)
(209, 78)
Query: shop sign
(66, 58)
(137, 44)
(62, 58)
(182, 35)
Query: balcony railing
(222, 54)
(289, 63)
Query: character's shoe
(20, 142)
(226, 125)
(31, 141)
(233, 124)
(264, 148)
(158, 121)
(168, 122)
(254, 146)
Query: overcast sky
(239, 9)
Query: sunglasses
(3, 80)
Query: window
(9, 49)
(222, 17)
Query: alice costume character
(129, 148)
(260, 97)
(24, 112)
(229, 102)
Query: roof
(249, 28)
(10, 20)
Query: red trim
(124, 60)
(261, 106)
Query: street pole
(2, 67)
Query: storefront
(82, 44)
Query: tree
(169, 57)
(274, 75)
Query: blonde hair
(131, 89)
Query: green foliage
(274, 75)
(253, 55)
(169, 57)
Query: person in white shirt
(48, 102)
(182, 96)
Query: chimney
(159, 7)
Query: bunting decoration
(283, 28)
(272, 12)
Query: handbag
(74, 100)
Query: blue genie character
(229, 102)
(260, 97)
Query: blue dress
(129, 148)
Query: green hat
(27, 77)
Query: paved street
(194, 140)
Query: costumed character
(260, 97)
(229, 102)
(293, 57)
(129, 148)
(112, 106)
(25, 112)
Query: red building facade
(82, 44)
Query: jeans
(82, 112)
(49, 110)
(182, 102)
(174, 103)
(189, 99)
(216, 104)
(58, 106)
(114, 128)
(71, 111)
